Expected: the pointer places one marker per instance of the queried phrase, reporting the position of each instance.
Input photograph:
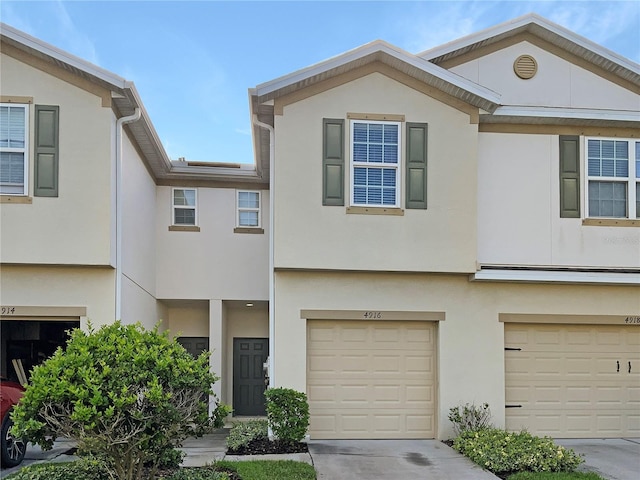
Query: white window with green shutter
(14, 156)
(248, 209)
(613, 178)
(185, 206)
(375, 163)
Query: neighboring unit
(463, 226)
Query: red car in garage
(12, 450)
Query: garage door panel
(581, 389)
(372, 380)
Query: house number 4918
(635, 320)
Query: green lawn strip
(271, 469)
(555, 476)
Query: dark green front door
(194, 345)
(249, 355)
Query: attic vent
(525, 66)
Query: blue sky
(193, 61)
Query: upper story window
(14, 159)
(375, 163)
(613, 177)
(248, 211)
(184, 206)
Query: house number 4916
(372, 315)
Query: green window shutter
(416, 165)
(569, 176)
(332, 161)
(46, 151)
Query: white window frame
(353, 164)
(24, 150)
(240, 209)
(630, 181)
(184, 207)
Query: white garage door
(371, 379)
(573, 381)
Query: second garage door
(371, 379)
(574, 381)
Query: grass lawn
(271, 469)
(555, 476)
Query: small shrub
(203, 473)
(287, 413)
(242, 433)
(170, 458)
(85, 469)
(500, 451)
(470, 417)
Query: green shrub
(470, 417)
(125, 394)
(202, 473)
(85, 469)
(287, 413)
(242, 433)
(501, 451)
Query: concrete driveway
(611, 458)
(385, 459)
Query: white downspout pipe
(272, 306)
(119, 124)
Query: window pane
(12, 126)
(608, 158)
(248, 200)
(637, 160)
(185, 216)
(12, 168)
(637, 200)
(184, 197)
(248, 219)
(374, 186)
(607, 199)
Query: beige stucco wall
(558, 82)
(189, 320)
(73, 228)
(470, 351)
(138, 239)
(519, 215)
(309, 235)
(30, 286)
(214, 262)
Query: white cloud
(75, 40)
(243, 131)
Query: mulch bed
(264, 446)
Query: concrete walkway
(611, 458)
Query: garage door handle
(618, 366)
(513, 406)
(629, 367)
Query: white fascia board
(371, 48)
(62, 56)
(577, 113)
(522, 21)
(541, 276)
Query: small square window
(14, 161)
(184, 206)
(248, 208)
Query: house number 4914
(8, 310)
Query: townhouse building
(417, 232)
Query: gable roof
(381, 51)
(543, 29)
(124, 100)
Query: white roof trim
(368, 49)
(63, 56)
(523, 21)
(541, 276)
(576, 113)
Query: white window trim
(397, 166)
(184, 207)
(25, 150)
(630, 181)
(247, 209)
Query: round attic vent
(525, 66)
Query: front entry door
(249, 354)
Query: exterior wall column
(215, 342)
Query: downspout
(119, 124)
(272, 306)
